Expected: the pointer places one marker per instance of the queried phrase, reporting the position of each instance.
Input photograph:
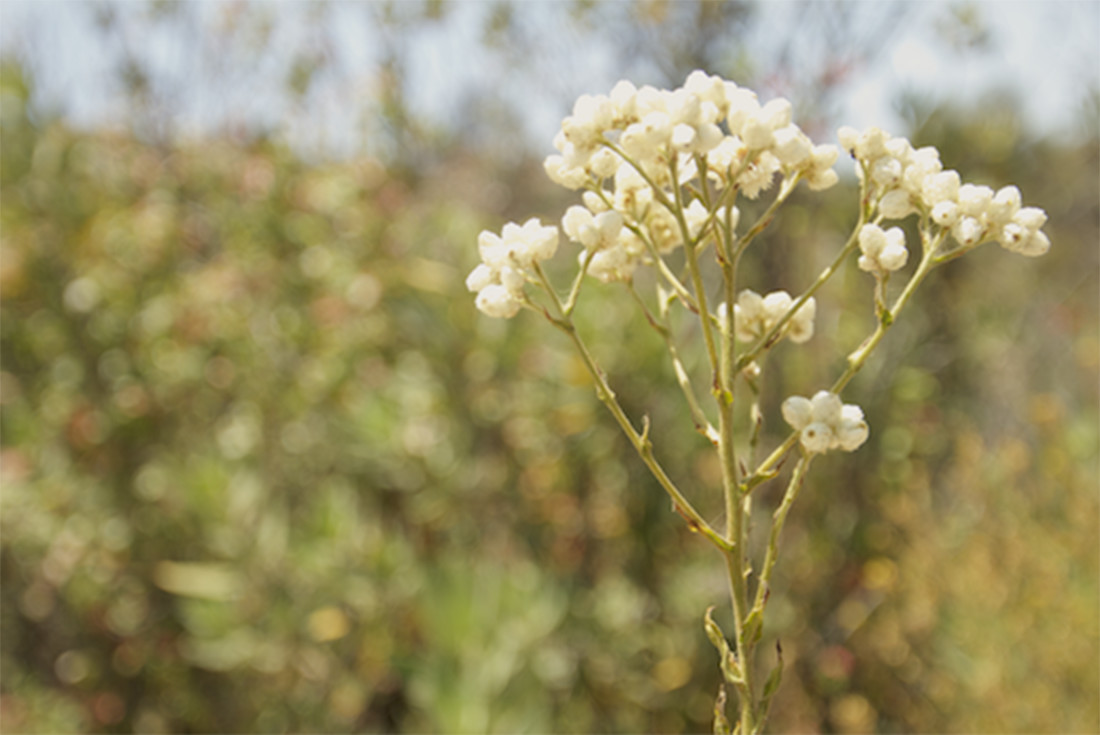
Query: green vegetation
(259, 475)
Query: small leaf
(754, 627)
(714, 633)
(775, 677)
(731, 669)
(721, 722)
(771, 686)
(761, 477)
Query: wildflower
(913, 180)
(883, 250)
(506, 260)
(824, 423)
(594, 232)
(755, 315)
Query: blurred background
(266, 469)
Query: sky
(1047, 52)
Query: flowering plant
(662, 173)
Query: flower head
(824, 423)
(755, 315)
(507, 260)
(909, 181)
(883, 250)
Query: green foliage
(266, 469)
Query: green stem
(765, 219)
(887, 318)
(575, 290)
(736, 515)
(858, 358)
(663, 328)
(691, 256)
(640, 440)
(769, 337)
(779, 518)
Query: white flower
(632, 193)
(801, 326)
(562, 174)
(501, 276)
(1032, 218)
(645, 138)
(974, 200)
(726, 155)
(759, 175)
(519, 244)
(663, 229)
(696, 216)
(896, 204)
(945, 213)
(603, 163)
(479, 278)
(968, 231)
(595, 202)
(886, 171)
(741, 103)
(1023, 234)
(824, 423)
(748, 316)
(820, 174)
(612, 264)
(922, 163)
(866, 146)
(622, 101)
(754, 316)
(848, 138)
(708, 88)
(883, 250)
(594, 232)
(497, 301)
(940, 187)
(1033, 246)
(792, 147)
(592, 115)
(1005, 205)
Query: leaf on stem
(731, 669)
(721, 722)
(754, 626)
(771, 686)
(714, 633)
(760, 478)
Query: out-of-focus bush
(265, 468)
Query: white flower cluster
(824, 423)
(652, 126)
(507, 261)
(630, 149)
(908, 180)
(755, 315)
(883, 250)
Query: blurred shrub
(265, 468)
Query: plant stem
(768, 338)
(779, 518)
(640, 440)
(663, 328)
(746, 692)
(858, 357)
